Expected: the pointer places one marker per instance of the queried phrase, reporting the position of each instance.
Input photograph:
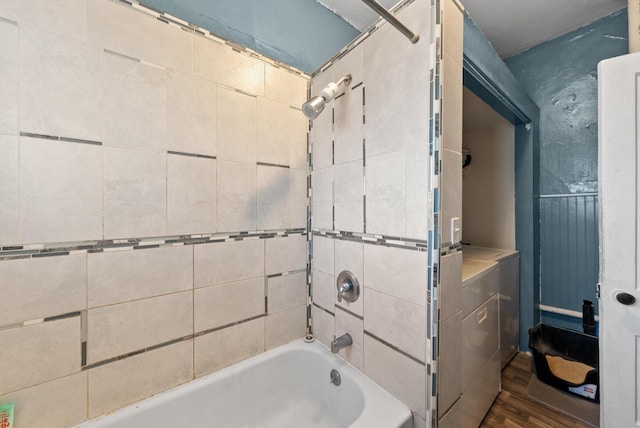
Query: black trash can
(560, 354)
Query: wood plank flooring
(513, 408)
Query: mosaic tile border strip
(11, 252)
(387, 241)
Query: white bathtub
(288, 386)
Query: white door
(619, 121)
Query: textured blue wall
(301, 33)
(561, 77)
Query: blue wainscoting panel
(569, 250)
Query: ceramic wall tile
(122, 276)
(453, 27)
(9, 80)
(191, 195)
(191, 114)
(348, 196)
(449, 362)
(274, 120)
(322, 198)
(273, 197)
(134, 193)
(451, 104)
(298, 199)
(114, 26)
(396, 321)
(222, 262)
(217, 350)
(118, 384)
(135, 105)
(51, 350)
(323, 254)
(398, 374)
(236, 197)
(450, 290)
(417, 191)
(69, 105)
(285, 86)
(237, 130)
(286, 326)
(9, 210)
(396, 272)
(220, 63)
(285, 254)
(323, 326)
(66, 17)
(348, 126)
(44, 287)
(322, 139)
(126, 327)
(386, 192)
(286, 291)
(323, 289)
(224, 304)
(59, 403)
(60, 191)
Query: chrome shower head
(314, 106)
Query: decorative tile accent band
(86, 247)
(193, 155)
(387, 241)
(395, 348)
(56, 138)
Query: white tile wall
(284, 86)
(135, 108)
(45, 287)
(273, 197)
(401, 376)
(396, 321)
(134, 193)
(191, 195)
(274, 121)
(323, 326)
(322, 197)
(215, 61)
(323, 254)
(451, 200)
(63, 402)
(386, 191)
(62, 183)
(122, 29)
(350, 256)
(228, 261)
(286, 291)
(348, 189)
(348, 127)
(222, 348)
(286, 326)
(191, 114)
(123, 382)
(450, 291)
(324, 289)
(347, 323)
(130, 275)
(286, 254)
(9, 81)
(405, 277)
(451, 103)
(66, 17)
(417, 182)
(50, 350)
(298, 200)
(224, 304)
(69, 104)
(236, 196)
(9, 209)
(237, 130)
(322, 139)
(118, 329)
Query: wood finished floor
(513, 408)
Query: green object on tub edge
(6, 415)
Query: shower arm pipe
(380, 10)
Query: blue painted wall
(301, 33)
(561, 77)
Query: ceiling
(512, 26)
